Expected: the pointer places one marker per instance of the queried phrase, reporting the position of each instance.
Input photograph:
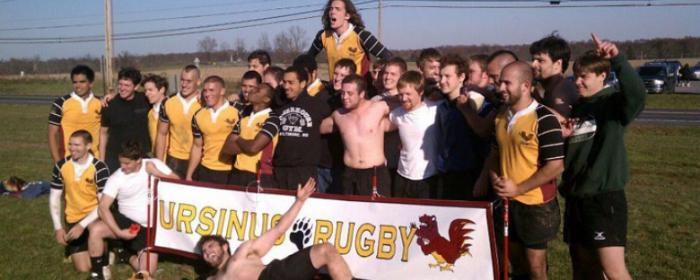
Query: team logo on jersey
(230, 121)
(445, 251)
(352, 49)
(526, 137)
(89, 180)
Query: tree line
(287, 44)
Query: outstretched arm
(327, 125)
(263, 244)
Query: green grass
(663, 197)
(673, 101)
(42, 86)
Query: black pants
(245, 178)
(203, 174)
(359, 181)
(459, 185)
(179, 166)
(289, 177)
(426, 188)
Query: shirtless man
(246, 262)
(361, 123)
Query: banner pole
(506, 203)
(148, 225)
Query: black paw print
(301, 233)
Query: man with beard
(550, 59)
(246, 261)
(525, 162)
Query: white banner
(382, 239)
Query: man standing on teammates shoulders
(361, 124)
(175, 125)
(530, 156)
(344, 36)
(155, 88)
(210, 127)
(297, 154)
(415, 120)
(126, 118)
(253, 140)
(128, 222)
(73, 112)
(78, 180)
(596, 166)
(259, 61)
(550, 59)
(462, 152)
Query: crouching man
(129, 186)
(246, 261)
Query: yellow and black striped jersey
(80, 185)
(214, 127)
(526, 140)
(72, 113)
(356, 44)
(178, 113)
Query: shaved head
(522, 70)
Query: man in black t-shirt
(125, 118)
(297, 154)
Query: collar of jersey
(341, 38)
(79, 168)
(186, 105)
(83, 102)
(514, 117)
(215, 113)
(253, 115)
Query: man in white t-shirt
(129, 186)
(415, 121)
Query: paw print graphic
(301, 233)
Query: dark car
(657, 78)
(695, 72)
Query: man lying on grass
(246, 262)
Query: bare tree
(239, 48)
(264, 42)
(283, 46)
(207, 45)
(225, 47)
(297, 35)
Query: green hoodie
(596, 159)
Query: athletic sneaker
(95, 276)
(106, 273)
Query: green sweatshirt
(596, 159)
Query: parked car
(657, 78)
(695, 72)
(674, 66)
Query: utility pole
(107, 74)
(379, 21)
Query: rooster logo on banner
(446, 252)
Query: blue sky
(404, 27)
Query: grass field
(662, 195)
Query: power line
(157, 19)
(300, 16)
